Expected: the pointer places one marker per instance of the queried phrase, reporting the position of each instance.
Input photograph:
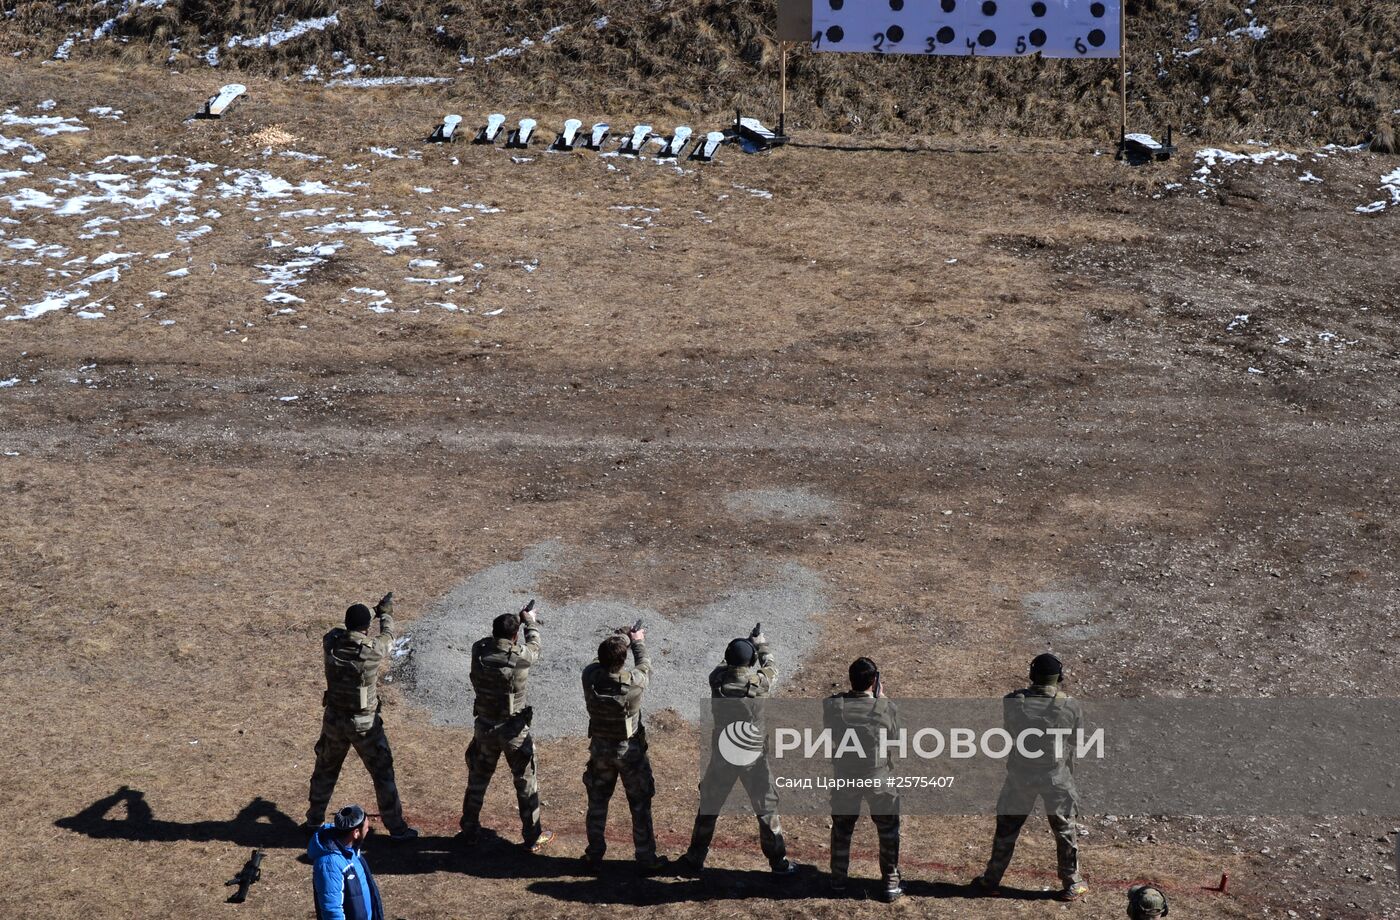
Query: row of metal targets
(520, 137)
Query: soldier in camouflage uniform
(1042, 705)
(1146, 903)
(353, 661)
(748, 674)
(866, 712)
(500, 671)
(618, 746)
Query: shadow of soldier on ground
(618, 883)
(492, 856)
(919, 888)
(260, 824)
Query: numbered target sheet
(997, 28)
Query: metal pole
(782, 87)
(1122, 67)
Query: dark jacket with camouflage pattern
(867, 717)
(745, 681)
(500, 673)
(614, 698)
(353, 661)
(1043, 707)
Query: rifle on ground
(252, 871)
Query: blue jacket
(341, 881)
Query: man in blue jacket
(340, 878)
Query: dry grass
(1327, 71)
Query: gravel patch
(794, 503)
(684, 644)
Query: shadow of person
(260, 824)
(492, 856)
(925, 889)
(618, 883)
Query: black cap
(1046, 665)
(740, 653)
(349, 818)
(358, 617)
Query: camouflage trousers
(845, 811)
(1014, 805)
(513, 739)
(339, 733)
(720, 777)
(607, 760)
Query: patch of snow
(388, 235)
(47, 125)
(255, 183)
(10, 145)
(372, 82)
(278, 36)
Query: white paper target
(995, 28)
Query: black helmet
(740, 653)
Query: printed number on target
(993, 28)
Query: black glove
(385, 607)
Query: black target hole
(987, 39)
(895, 34)
(896, 5)
(835, 34)
(1038, 9)
(946, 35)
(949, 5)
(1038, 37)
(1098, 9)
(1097, 38)
(989, 8)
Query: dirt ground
(1011, 364)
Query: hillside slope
(1309, 71)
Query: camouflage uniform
(1041, 706)
(730, 689)
(865, 714)
(618, 747)
(500, 670)
(351, 719)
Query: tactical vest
(1040, 708)
(614, 711)
(352, 673)
(863, 717)
(497, 680)
(741, 682)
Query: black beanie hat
(1046, 665)
(358, 617)
(740, 653)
